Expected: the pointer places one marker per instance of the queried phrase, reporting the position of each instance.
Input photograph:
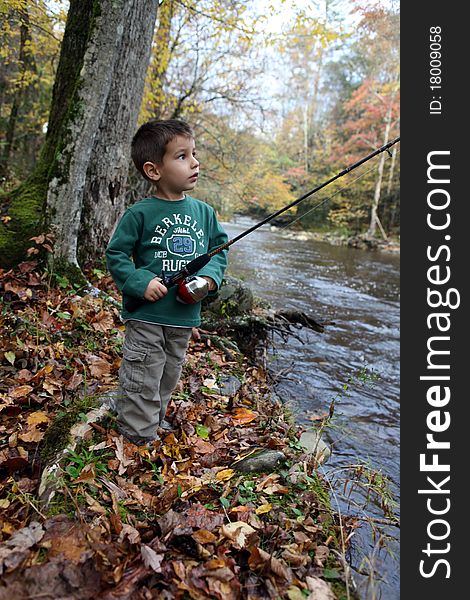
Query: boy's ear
(152, 171)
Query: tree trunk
(26, 61)
(86, 76)
(26, 205)
(105, 187)
(374, 218)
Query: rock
(234, 298)
(228, 385)
(261, 460)
(362, 242)
(313, 444)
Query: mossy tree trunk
(105, 186)
(87, 80)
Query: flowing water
(358, 291)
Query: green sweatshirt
(156, 236)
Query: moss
(25, 207)
(58, 434)
(72, 272)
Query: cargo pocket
(132, 369)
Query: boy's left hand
(211, 282)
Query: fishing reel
(192, 289)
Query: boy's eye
(181, 156)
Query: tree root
(249, 332)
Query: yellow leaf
(264, 508)
(225, 474)
(37, 417)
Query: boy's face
(178, 171)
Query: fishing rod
(194, 290)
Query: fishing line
(329, 197)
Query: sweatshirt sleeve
(129, 279)
(215, 268)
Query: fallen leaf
(237, 532)
(124, 461)
(103, 321)
(224, 474)
(264, 508)
(98, 366)
(11, 357)
(94, 504)
(203, 536)
(130, 533)
(275, 488)
(203, 447)
(21, 391)
(64, 538)
(243, 416)
(33, 433)
(200, 517)
(321, 554)
(151, 558)
(260, 559)
(26, 537)
(37, 417)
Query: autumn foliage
(174, 520)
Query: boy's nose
(195, 162)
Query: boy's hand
(211, 282)
(155, 290)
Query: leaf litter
(174, 520)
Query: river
(357, 290)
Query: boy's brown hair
(149, 142)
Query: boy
(160, 234)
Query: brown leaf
(242, 416)
(75, 380)
(33, 433)
(224, 474)
(98, 366)
(130, 533)
(203, 536)
(260, 560)
(12, 460)
(63, 538)
(203, 447)
(202, 518)
(103, 321)
(20, 391)
(321, 554)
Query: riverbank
(182, 519)
(359, 241)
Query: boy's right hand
(155, 290)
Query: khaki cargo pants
(153, 357)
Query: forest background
(280, 97)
